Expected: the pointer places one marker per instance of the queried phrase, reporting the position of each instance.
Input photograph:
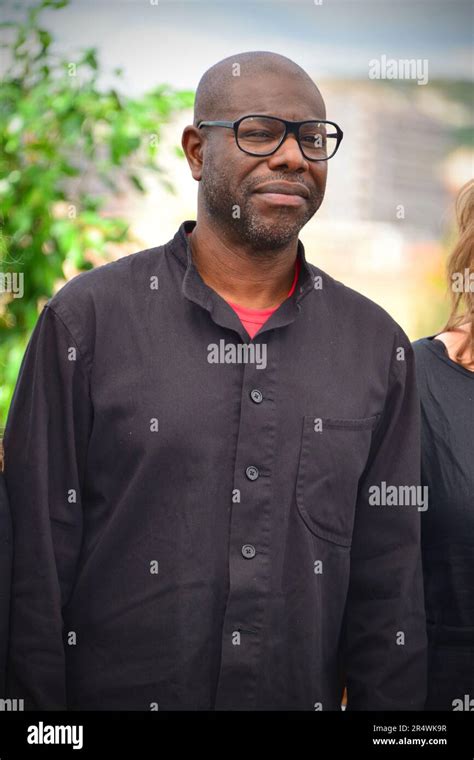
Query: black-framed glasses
(259, 135)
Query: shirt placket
(249, 537)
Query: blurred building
(389, 197)
(389, 167)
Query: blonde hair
(461, 260)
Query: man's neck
(250, 279)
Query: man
(193, 528)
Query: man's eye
(258, 134)
(314, 139)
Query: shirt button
(256, 396)
(251, 472)
(248, 551)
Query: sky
(172, 41)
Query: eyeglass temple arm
(215, 124)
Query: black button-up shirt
(192, 526)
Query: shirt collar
(195, 289)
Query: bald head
(216, 94)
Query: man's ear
(192, 142)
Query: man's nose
(289, 153)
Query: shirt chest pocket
(333, 455)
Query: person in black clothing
(445, 373)
(5, 571)
(191, 512)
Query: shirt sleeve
(384, 632)
(45, 449)
(5, 577)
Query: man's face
(230, 177)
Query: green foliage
(64, 144)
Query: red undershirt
(253, 319)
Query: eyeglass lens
(260, 135)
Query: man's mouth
(282, 199)
(283, 193)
